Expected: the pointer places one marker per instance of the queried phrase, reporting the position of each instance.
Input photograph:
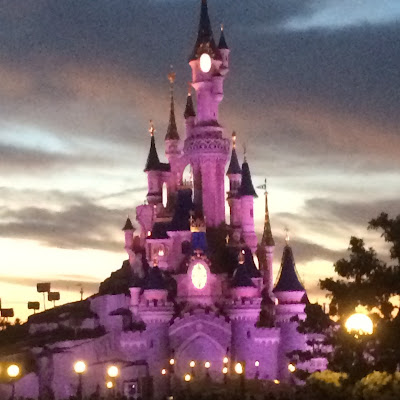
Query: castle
(196, 294)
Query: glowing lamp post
(192, 364)
(359, 324)
(240, 370)
(13, 372)
(225, 372)
(207, 366)
(112, 372)
(80, 369)
(292, 368)
(257, 365)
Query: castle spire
(172, 131)
(222, 42)
(189, 109)
(267, 238)
(205, 39)
(234, 167)
(246, 186)
(288, 280)
(153, 162)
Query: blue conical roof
(246, 187)
(205, 39)
(234, 166)
(153, 162)
(288, 279)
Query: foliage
(365, 280)
(378, 386)
(327, 385)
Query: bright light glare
(163, 371)
(109, 385)
(225, 370)
(257, 363)
(113, 371)
(187, 378)
(205, 62)
(239, 368)
(225, 360)
(359, 324)
(207, 364)
(80, 367)
(172, 361)
(13, 371)
(291, 367)
(192, 364)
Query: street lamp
(113, 372)
(163, 371)
(13, 371)
(225, 360)
(192, 364)
(257, 364)
(80, 369)
(225, 372)
(359, 324)
(207, 365)
(109, 385)
(240, 370)
(187, 377)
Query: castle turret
(247, 194)
(153, 170)
(234, 174)
(205, 147)
(189, 113)
(224, 51)
(290, 294)
(266, 248)
(128, 231)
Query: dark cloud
(15, 159)
(76, 226)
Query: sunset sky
(313, 91)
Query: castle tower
(266, 248)
(234, 174)
(128, 231)
(290, 294)
(153, 170)
(205, 147)
(247, 194)
(172, 148)
(189, 113)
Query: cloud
(65, 283)
(79, 225)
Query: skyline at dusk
(312, 93)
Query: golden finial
(152, 129)
(171, 76)
(245, 152)
(222, 27)
(234, 139)
(287, 237)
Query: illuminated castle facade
(190, 289)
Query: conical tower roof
(128, 225)
(153, 162)
(288, 280)
(246, 187)
(222, 42)
(172, 131)
(205, 39)
(234, 166)
(267, 238)
(189, 109)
